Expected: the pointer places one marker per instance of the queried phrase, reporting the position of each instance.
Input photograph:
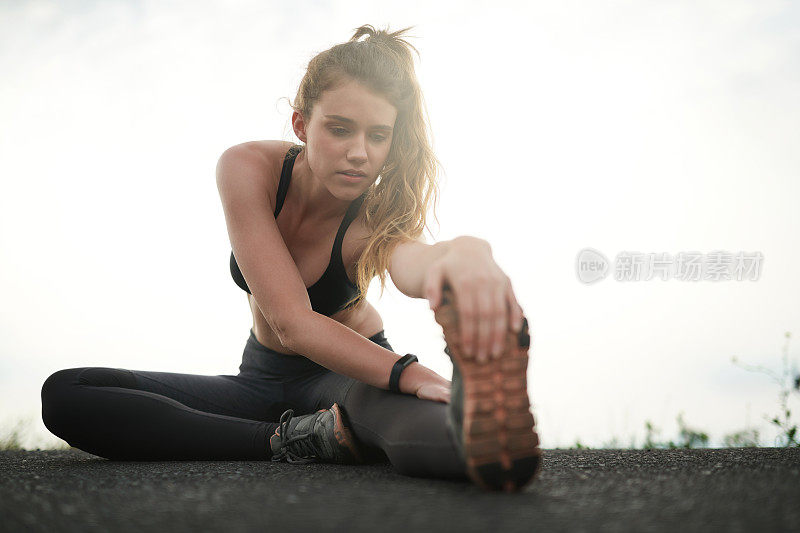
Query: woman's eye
(341, 131)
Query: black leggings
(137, 415)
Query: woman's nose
(357, 151)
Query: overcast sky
(649, 127)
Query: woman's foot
(489, 411)
(320, 437)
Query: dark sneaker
(320, 437)
(489, 411)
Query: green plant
(650, 432)
(690, 438)
(12, 439)
(788, 381)
(746, 438)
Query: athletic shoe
(489, 411)
(320, 437)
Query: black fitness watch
(397, 369)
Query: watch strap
(397, 369)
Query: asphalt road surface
(740, 489)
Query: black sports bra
(333, 290)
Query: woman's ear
(299, 125)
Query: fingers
(485, 322)
(514, 309)
(501, 319)
(486, 311)
(484, 302)
(467, 319)
(436, 393)
(443, 394)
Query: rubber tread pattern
(497, 431)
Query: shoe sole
(343, 434)
(500, 443)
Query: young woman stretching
(319, 381)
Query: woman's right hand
(437, 392)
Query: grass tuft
(13, 438)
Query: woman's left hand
(436, 392)
(485, 301)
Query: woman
(319, 380)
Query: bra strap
(349, 216)
(286, 176)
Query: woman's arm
(418, 270)
(485, 301)
(339, 348)
(414, 266)
(410, 261)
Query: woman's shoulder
(265, 158)
(265, 153)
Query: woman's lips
(350, 178)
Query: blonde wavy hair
(397, 203)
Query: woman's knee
(58, 383)
(55, 394)
(60, 402)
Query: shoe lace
(302, 447)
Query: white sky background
(622, 126)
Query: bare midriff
(363, 319)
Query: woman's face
(350, 130)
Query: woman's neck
(314, 200)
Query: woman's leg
(137, 415)
(412, 433)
